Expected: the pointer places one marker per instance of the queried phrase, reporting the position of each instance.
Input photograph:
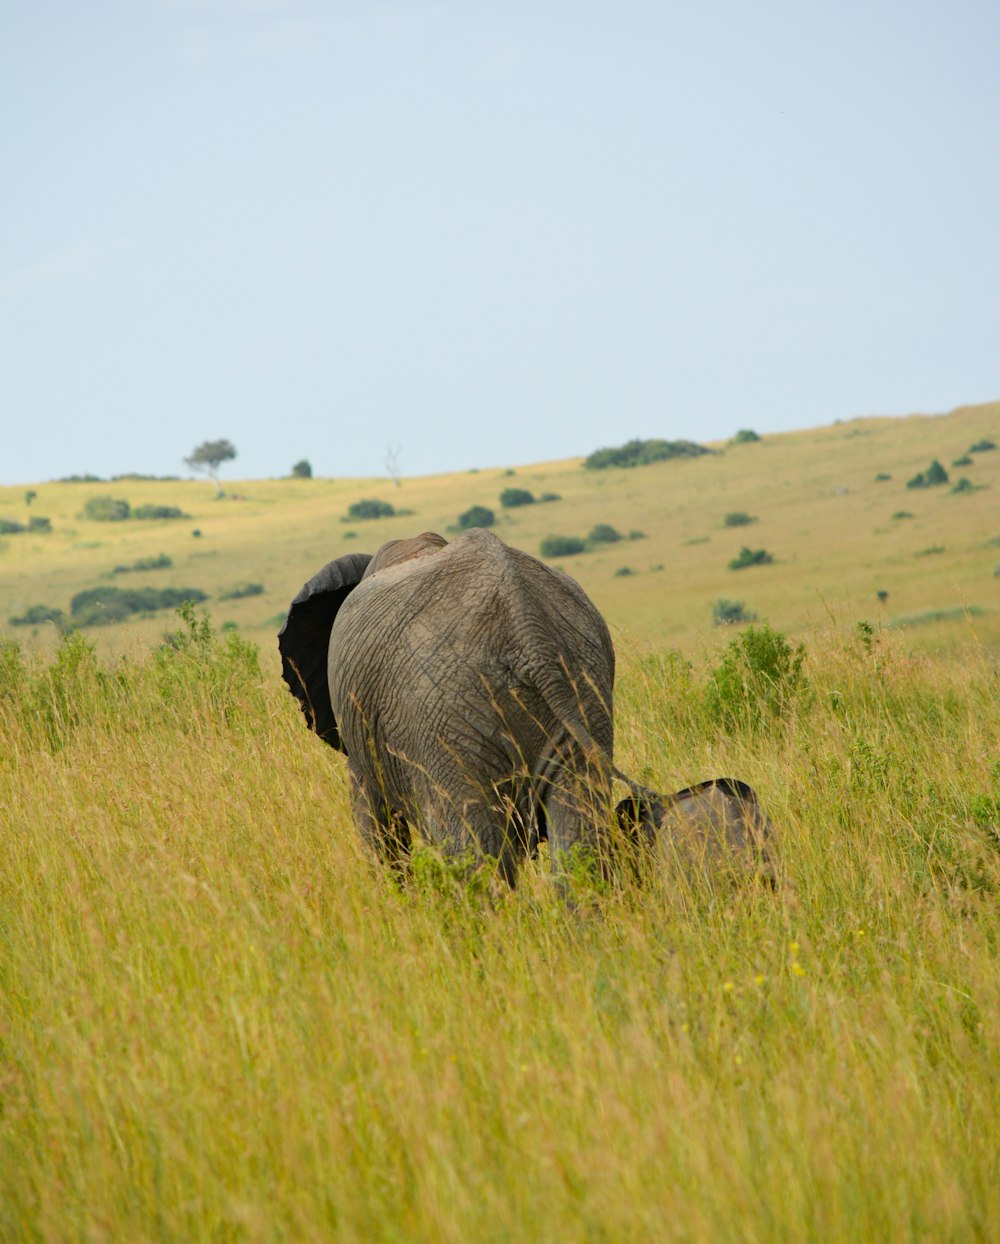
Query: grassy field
(818, 507)
(219, 1021)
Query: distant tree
(302, 469)
(29, 496)
(934, 475)
(477, 516)
(604, 533)
(982, 446)
(745, 436)
(208, 457)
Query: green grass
(219, 1021)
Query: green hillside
(835, 531)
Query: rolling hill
(830, 505)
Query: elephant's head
(715, 824)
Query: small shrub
(641, 453)
(604, 533)
(982, 447)
(34, 615)
(965, 460)
(757, 680)
(10, 527)
(881, 477)
(931, 478)
(196, 533)
(963, 485)
(550, 496)
(929, 552)
(623, 571)
(751, 557)
(243, 589)
(510, 498)
(302, 469)
(106, 509)
(477, 516)
(902, 514)
(745, 436)
(636, 534)
(882, 595)
(146, 512)
(731, 612)
(38, 522)
(160, 562)
(562, 546)
(369, 509)
(737, 518)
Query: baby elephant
(470, 687)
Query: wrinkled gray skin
(470, 686)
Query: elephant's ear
(304, 640)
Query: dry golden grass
(219, 1021)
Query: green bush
(623, 572)
(106, 509)
(36, 614)
(881, 477)
(604, 533)
(982, 447)
(902, 514)
(160, 562)
(751, 557)
(476, 516)
(80, 479)
(562, 546)
(731, 612)
(302, 469)
(641, 453)
(11, 527)
(964, 485)
(965, 460)
(757, 680)
(99, 606)
(510, 498)
(745, 436)
(369, 509)
(738, 518)
(933, 476)
(550, 496)
(243, 589)
(38, 522)
(158, 511)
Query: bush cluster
(738, 518)
(160, 562)
(243, 589)
(158, 511)
(99, 606)
(511, 498)
(562, 546)
(34, 615)
(982, 447)
(37, 523)
(751, 557)
(476, 516)
(934, 475)
(641, 453)
(369, 508)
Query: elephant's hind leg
(383, 829)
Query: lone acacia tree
(208, 457)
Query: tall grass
(218, 1020)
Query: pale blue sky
(487, 233)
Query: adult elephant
(470, 687)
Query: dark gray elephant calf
(470, 687)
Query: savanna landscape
(220, 1019)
